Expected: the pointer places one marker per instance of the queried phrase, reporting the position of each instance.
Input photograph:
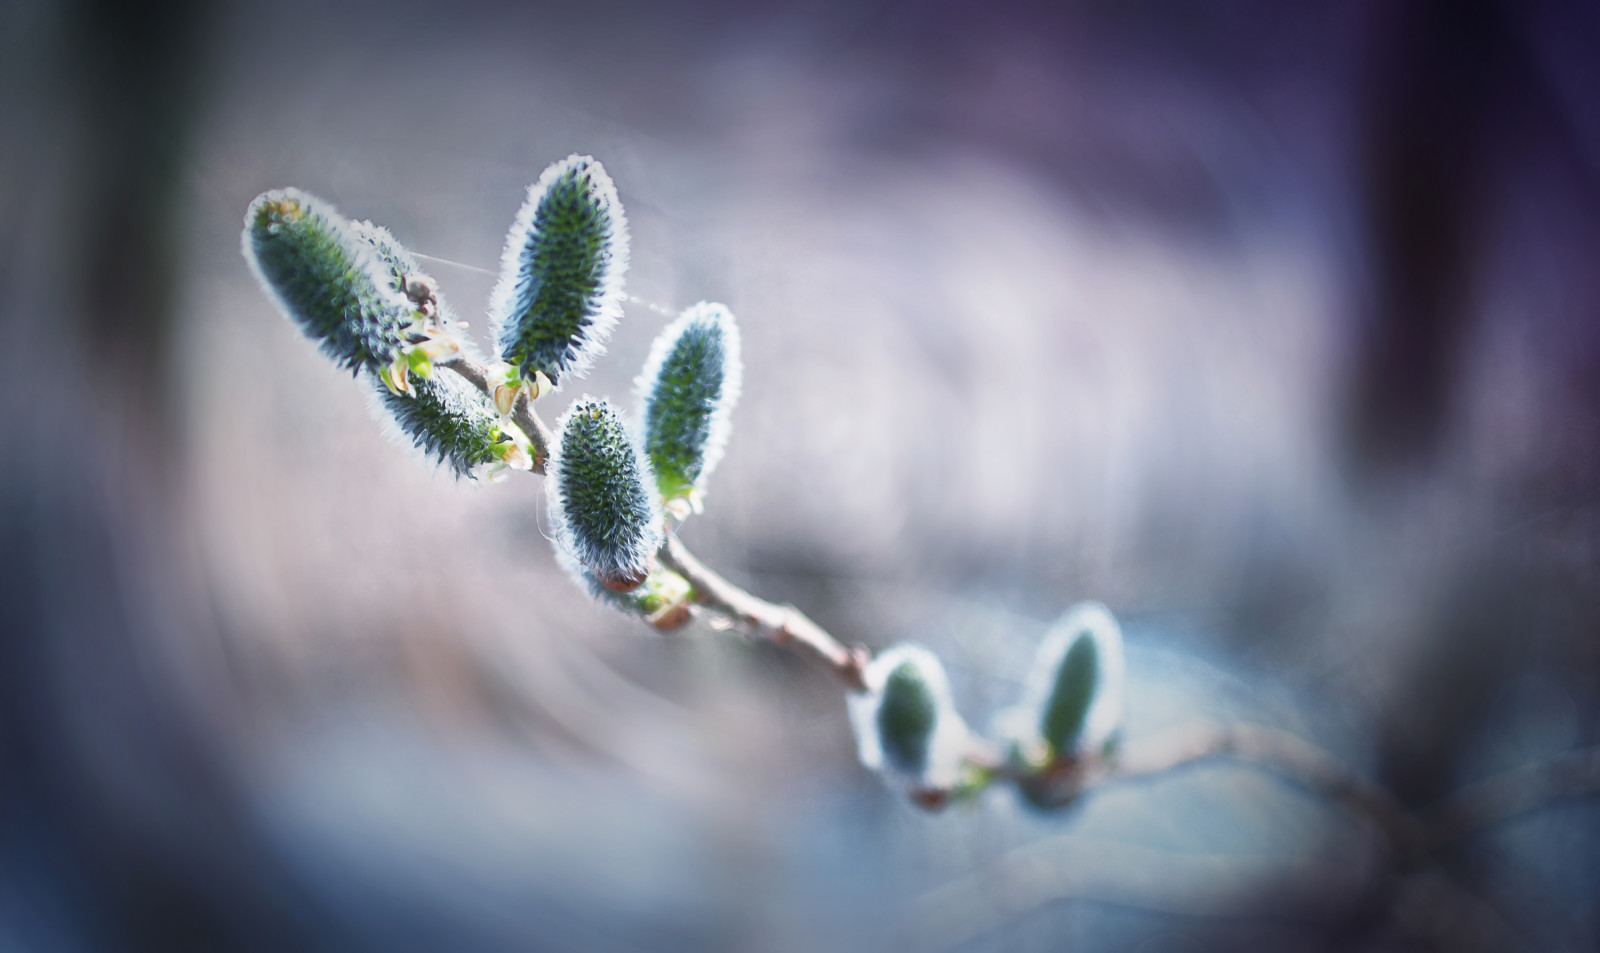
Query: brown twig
(1409, 838)
(522, 414)
(1287, 755)
(1426, 900)
(784, 625)
(1064, 866)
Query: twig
(784, 625)
(1504, 796)
(1070, 866)
(522, 414)
(1317, 891)
(1427, 902)
(1289, 756)
(1409, 838)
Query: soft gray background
(1272, 329)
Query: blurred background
(1272, 326)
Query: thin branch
(1426, 902)
(1287, 755)
(1070, 866)
(1409, 837)
(1312, 890)
(1504, 796)
(522, 415)
(783, 625)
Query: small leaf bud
(421, 288)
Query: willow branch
(1314, 890)
(522, 414)
(783, 625)
(1504, 796)
(1409, 837)
(1289, 756)
(1066, 866)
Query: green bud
(325, 278)
(1073, 704)
(907, 716)
(448, 420)
(906, 725)
(605, 515)
(560, 289)
(689, 386)
(1067, 710)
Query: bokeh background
(1272, 326)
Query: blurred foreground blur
(1271, 326)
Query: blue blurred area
(1270, 326)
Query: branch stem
(522, 414)
(1409, 837)
(783, 625)
(1289, 756)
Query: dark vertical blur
(1461, 108)
(1434, 112)
(120, 827)
(136, 95)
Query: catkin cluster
(617, 487)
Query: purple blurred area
(1272, 326)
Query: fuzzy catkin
(325, 278)
(906, 724)
(396, 265)
(607, 517)
(560, 288)
(906, 718)
(690, 384)
(394, 261)
(447, 419)
(1075, 689)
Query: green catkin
(906, 718)
(560, 288)
(690, 384)
(1066, 710)
(607, 517)
(325, 278)
(447, 419)
(906, 725)
(1073, 703)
